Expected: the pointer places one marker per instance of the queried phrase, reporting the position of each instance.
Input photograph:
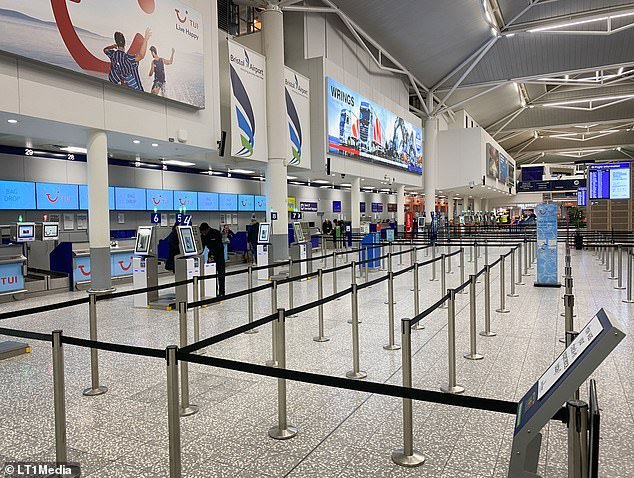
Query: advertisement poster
(503, 168)
(148, 46)
(297, 92)
(248, 97)
(292, 203)
(493, 161)
(547, 245)
(359, 128)
(511, 179)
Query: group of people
(336, 229)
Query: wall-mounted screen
(336, 206)
(188, 200)
(493, 161)
(188, 243)
(264, 233)
(504, 170)
(57, 196)
(610, 181)
(260, 203)
(298, 232)
(26, 232)
(227, 202)
(129, 199)
(143, 240)
(159, 199)
(146, 46)
(207, 201)
(50, 231)
(246, 202)
(359, 128)
(582, 196)
(511, 179)
(17, 195)
(84, 201)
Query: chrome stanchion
(486, 252)
(433, 264)
(577, 439)
(59, 398)
(473, 353)
(475, 259)
(334, 273)
(273, 362)
(487, 304)
(452, 386)
(416, 289)
(407, 456)
(471, 247)
(400, 254)
(569, 303)
(283, 431)
(520, 281)
(525, 273)
(291, 289)
(443, 280)
(173, 417)
(389, 269)
(629, 299)
(530, 255)
(356, 372)
(612, 263)
(95, 388)
(462, 273)
(367, 264)
(320, 295)
(250, 299)
(513, 292)
(196, 297)
(390, 308)
(449, 259)
(620, 285)
(502, 309)
(186, 408)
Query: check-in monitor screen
(143, 241)
(299, 233)
(51, 231)
(264, 233)
(26, 231)
(188, 242)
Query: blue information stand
(369, 251)
(547, 246)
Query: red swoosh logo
(125, 268)
(82, 269)
(183, 203)
(50, 199)
(75, 46)
(156, 202)
(178, 15)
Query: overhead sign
(361, 207)
(248, 95)
(295, 215)
(227, 202)
(582, 196)
(336, 206)
(185, 201)
(84, 200)
(610, 181)
(57, 196)
(551, 185)
(146, 46)
(246, 202)
(207, 201)
(17, 195)
(260, 203)
(183, 219)
(129, 199)
(159, 199)
(308, 206)
(155, 218)
(359, 128)
(297, 93)
(392, 207)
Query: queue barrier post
(433, 264)
(612, 263)
(513, 292)
(356, 372)
(449, 259)
(273, 361)
(525, 272)
(487, 303)
(59, 398)
(282, 431)
(390, 308)
(353, 271)
(462, 273)
(619, 285)
(577, 439)
(334, 273)
(473, 353)
(520, 281)
(186, 408)
(407, 456)
(320, 295)
(452, 386)
(471, 247)
(629, 299)
(475, 258)
(173, 416)
(502, 309)
(95, 388)
(416, 289)
(569, 304)
(486, 251)
(250, 298)
(291, 288)
(400, 254)
(443, 279)
(367, 264)
(196, 298)
(530, 255)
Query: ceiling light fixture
(290, 178)
(176, 162)
(321, 181)
(155, 145)
(591, 102)
(12, 121)
(74, 150)
(136, 141)
(579, 22)
(241, 171)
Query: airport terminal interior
(317, 238)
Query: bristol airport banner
(153, 46)
(297, 91)
(248, 97)
(547, 245)
(359, 128)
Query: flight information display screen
(582, 196)
(610, 181)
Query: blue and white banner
(547, 245)
(248, 98)
(297, 91)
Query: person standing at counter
(212, 239)
(173, 248)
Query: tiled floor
(341, 433)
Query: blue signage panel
(582, 196)
(308, 206)
(183, 219)
(362, 206)
(129, 199)
(610, 181)
(121, 263)
(547, 244)
(359, 128)
(336, 206)
(155, 218)
(159, 199)
(84, 201)
(295, 215)
(207, 201)
(260, 203)
(246, 202)
(187, 200)
(227, 202)
(11, 278)
(17, 195)
(81, 269)
(551, 185)
(57, 196)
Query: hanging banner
(547, 245)
(248, 97)
(297, 91)
(147, 46)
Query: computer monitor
(25, 232)
(187, 241)
(50, 231)
(264, 233)
(299, 233)
(143, 240)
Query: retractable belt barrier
(233, 295)
(126, 293)
(43, 308)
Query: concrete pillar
(485, 204)
(355, 200)
(400, 208)
(450, 208)
(98, 211)
(430, 158)
(276, 170)
(477, 204)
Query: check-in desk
(13, 271)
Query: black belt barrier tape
(124, 349)
(233, 295)
(25, 334)
(372, 282)
(125, 293)
(428, 310)
(403, 271)
(316, 303)
(43, 308)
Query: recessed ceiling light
(12, 121)
(241, 171)
(75, 149)
(290, 178)
(136, 141)
(155, 145)
(346, 185)
(321, 181)
(176, 162)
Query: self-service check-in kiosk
(188, 263)
(145, 271)
(13, 260)
(300, 251)
(263, 250)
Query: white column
(400, 208)
(276, 171)
(485, 204)
(477, 204)
(98, 211)
(450, 208)
(430, 158)
(355, 200)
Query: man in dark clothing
(252, 238)
(158, 71)
(124, 67)
(212, 239)
(173, 248)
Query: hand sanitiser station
(263, 250)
